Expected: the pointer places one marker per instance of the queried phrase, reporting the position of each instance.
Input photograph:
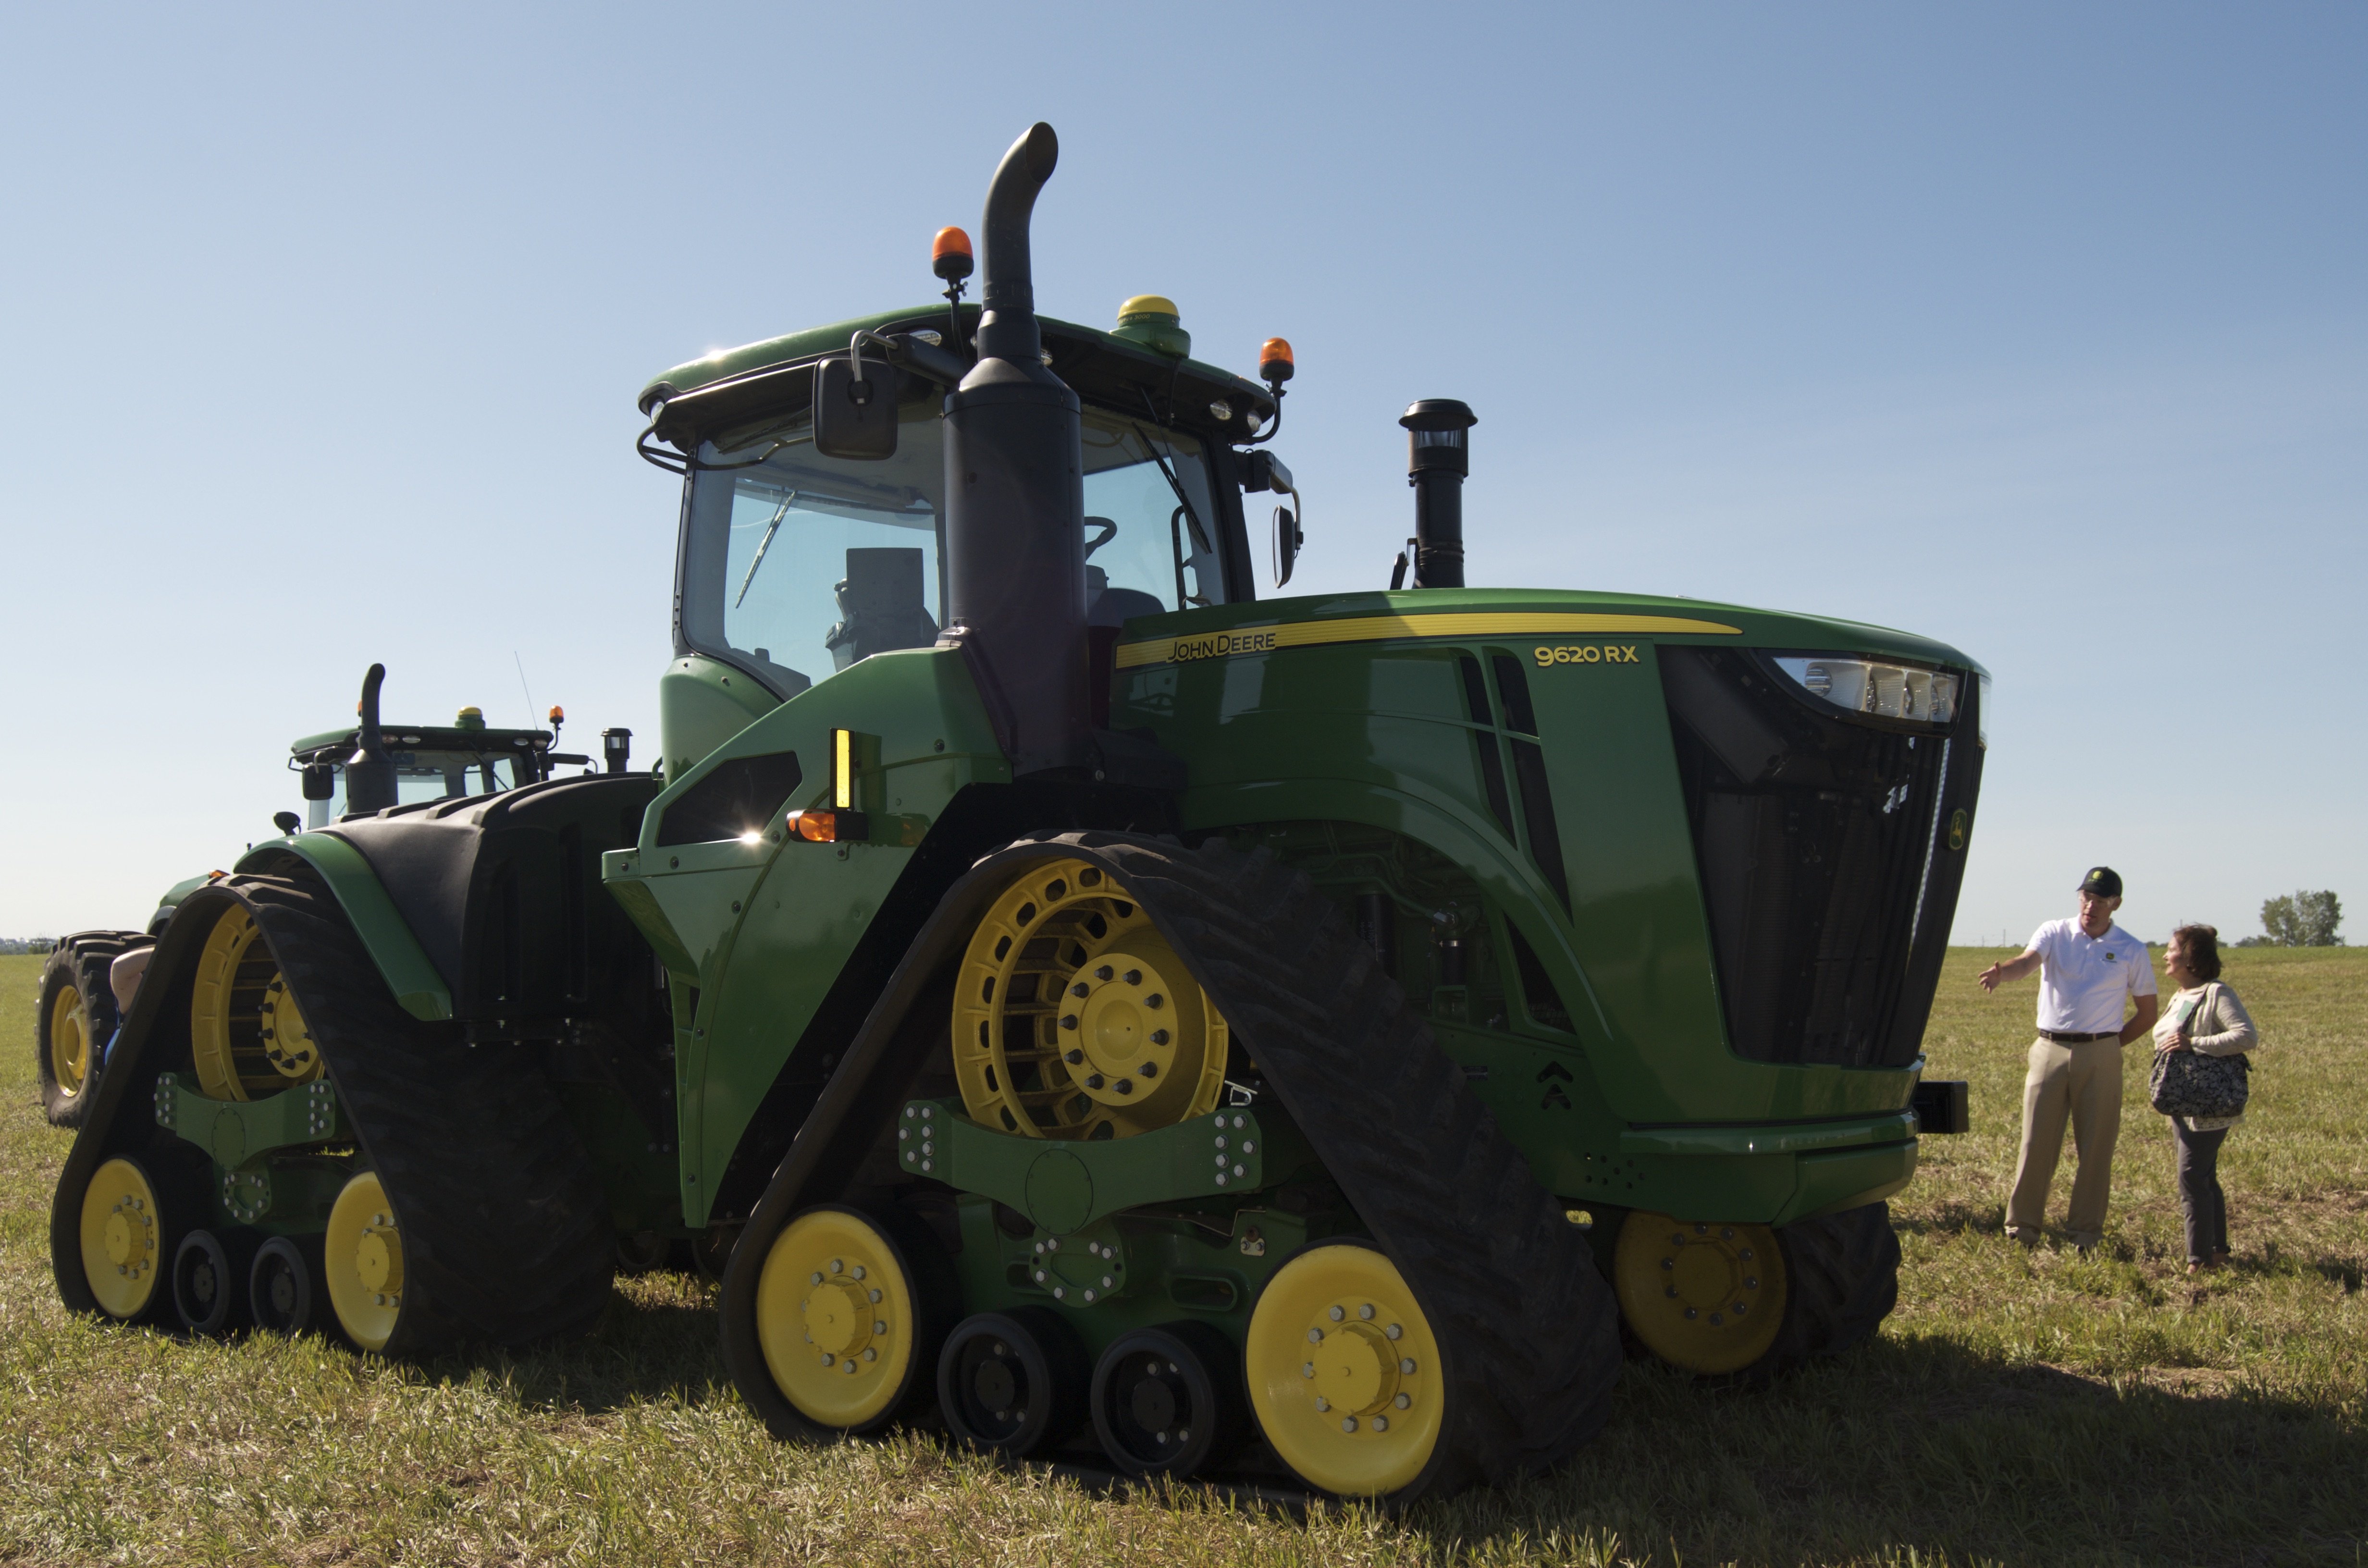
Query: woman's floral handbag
(2189, 1083)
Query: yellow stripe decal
(1385, 628)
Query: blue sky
(2041, 330)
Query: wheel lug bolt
(1093, 1080)
(1069, 1020)
(1148, 1070)
(1322, 1404)
(1073, 1057)
(1135, 977)
(1314, 1336)
(1125, 1087)
(1393, 1332)
(1366, 1312)
(1691, 1314)
(1338, 1314)
(1307, 1369)
(1403, 1401)
(1348, 1423)
(1159, 1037)
(1081, 989)
(1407, 1366)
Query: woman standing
(2203, 1016)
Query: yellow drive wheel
(362, 1258)
(1343, 1371)
(246, 1033)
(122, 1238)
(1704, 1296)
(69, 1030)
(837, 1320)
(1074, 1019)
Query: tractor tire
(1842, 1280)
(1528, 1331)
(1527, 1327)
(76, 1019)
(506, 1235)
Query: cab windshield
(429, 775)
(796, 566)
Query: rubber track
(506, 1232)
(88, 955)
(1527, 1327)
(1842, 1280)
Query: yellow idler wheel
(245, 1034)
(1344, 1372)
(1074, 1019)
(122, 1238)
(836, 1318)
(68, 1039)
(362, 1257)
(1704, 1296)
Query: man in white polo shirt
(2090, 968)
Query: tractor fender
(402, 961)
(484, 906)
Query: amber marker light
(827, 825)
(950, 254)
(1275, 363)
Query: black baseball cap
(2102, 880)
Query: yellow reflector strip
(1387, 628)
(842, 769)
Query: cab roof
(735, 385)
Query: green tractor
(1076, 995)
(80, 1010)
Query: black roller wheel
(208, 1288)
(1013, 1382)
(1167, 1401)
(283, 1287)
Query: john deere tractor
(1079, 996)
(78, 1012)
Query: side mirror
(1287, 542)
(320, 780)
(855, 409)
(289, 823)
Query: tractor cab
(432, 762)
(796, 565)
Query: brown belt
(2064, 1038)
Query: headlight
(1874, 688)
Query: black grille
(1821, 844)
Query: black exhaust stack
(369, 772)
(1015, 499)
(1439, 456)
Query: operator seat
(1106, 606)
(881, 605)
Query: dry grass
(2019, 1408)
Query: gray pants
(2199, 1191)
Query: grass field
(2019, 1406)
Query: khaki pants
(2082, 1084)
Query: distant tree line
(2299, 919)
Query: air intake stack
(1438, 458)
(1015, 500)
